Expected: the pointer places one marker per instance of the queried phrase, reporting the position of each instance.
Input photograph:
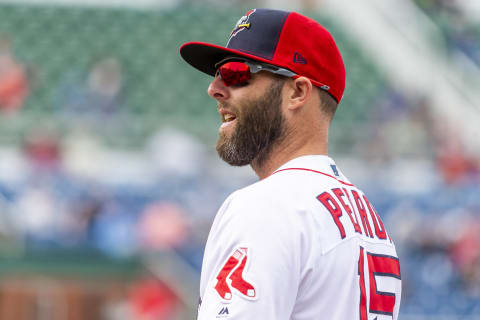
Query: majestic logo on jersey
(242, 24)
(223, 313)
(230, 278)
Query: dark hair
(327, 103)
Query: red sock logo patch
(230, 278)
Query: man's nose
(217, 89)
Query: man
(303, 242)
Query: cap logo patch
(243, 23)
(298, 58)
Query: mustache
(227, 106)
(223, 105)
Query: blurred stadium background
(108, 175)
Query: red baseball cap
(284, 39)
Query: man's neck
(286, 151)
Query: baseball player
(303, 242)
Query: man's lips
(227, 115)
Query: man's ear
(299, 92)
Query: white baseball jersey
(301, 244)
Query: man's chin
(236, 164)
(228, 153)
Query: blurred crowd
(460, 33)
(71, 192)
(429, 195)
(13, 78)
(71, 195)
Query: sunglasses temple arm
(283, 72)
(286, 73)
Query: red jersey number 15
(378, 266)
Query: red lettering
(380, 266)
(332, 206)
(363, 214)
(387, 266)
(340, 194)
(379, 231)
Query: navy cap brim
(204, 56)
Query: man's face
(258, 124)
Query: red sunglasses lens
(234, 73)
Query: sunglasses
(238, 71)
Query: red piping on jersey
(325, 174)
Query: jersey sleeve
(252, 263)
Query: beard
(260, 124)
